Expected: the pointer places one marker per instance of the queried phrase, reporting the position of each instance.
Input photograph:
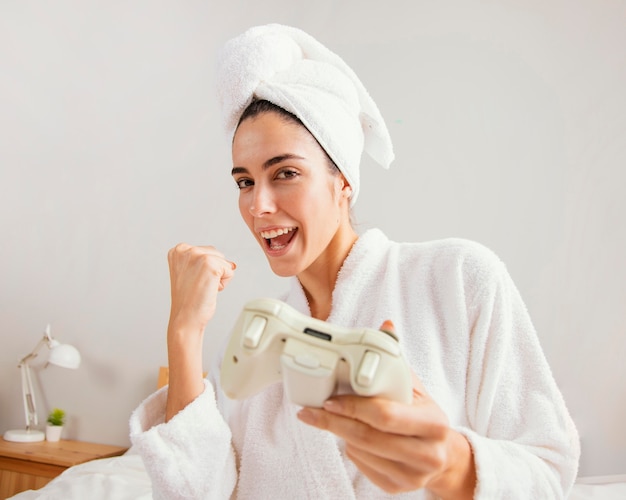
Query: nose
(261, 201)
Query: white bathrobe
(465, 332)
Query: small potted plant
(56, 420)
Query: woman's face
(294, 205)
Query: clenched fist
(197, 274)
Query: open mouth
(277, 239)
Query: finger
(184, 249)
(228, 271)
(383, 480)
(417, 456)
(423, 418)
(394, 447)
(184, 255)
(388, 326)
(392, 477)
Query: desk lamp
(63, 355)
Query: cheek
(322, 211)
(245, 214)
(240, 205)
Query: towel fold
(291, 69)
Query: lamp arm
(33, 353)
(30, 406)
(28, 394)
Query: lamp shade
(64, 355)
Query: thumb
(388, 326)
(228, 273)
(418, 388)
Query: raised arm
(197, 274)
(179, 431)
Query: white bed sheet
(600, 488)
(117, 478)
(125, 478)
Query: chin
(284, 267)
(283, 271)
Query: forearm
(185, 369)
(197, 274)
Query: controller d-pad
(367, 370)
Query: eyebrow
(268, 163)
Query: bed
(125, 478)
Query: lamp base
(24, 436)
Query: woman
(486, 421)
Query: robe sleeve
(190, 456)
(524, 442)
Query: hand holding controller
(272, 341)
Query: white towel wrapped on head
(291, 69)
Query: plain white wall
(509, 123)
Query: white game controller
(315, 360)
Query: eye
(244, 182)
(286, 173)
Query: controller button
(254, 332)
(307, 361)
(368, 368)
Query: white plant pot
(53, 432)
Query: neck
(318, 280)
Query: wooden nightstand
(25, 466)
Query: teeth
(276, 232)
